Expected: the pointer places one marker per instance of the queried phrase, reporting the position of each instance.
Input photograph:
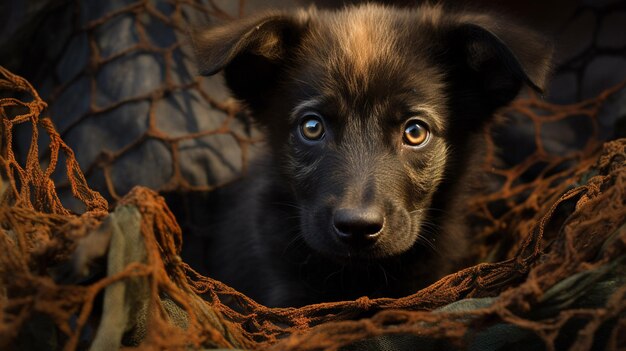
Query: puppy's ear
(491, 61)
(251, 52)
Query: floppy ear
(251, 52)
(490, 62)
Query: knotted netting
(550, 241)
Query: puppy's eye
(416, 133)
(311, 127)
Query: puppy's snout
(358, 226)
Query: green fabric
(123, 298)
(586, 289)
(125, 311)
(124, 315)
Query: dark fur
(369, 69)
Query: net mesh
(178, 73)
(534, 231)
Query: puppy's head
(371, 110)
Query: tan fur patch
(363, 37)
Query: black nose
(358, 225)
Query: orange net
(517, 199)
(551, 228)
(37, 232)
(168, 62)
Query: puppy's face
(369, 110)
(364, 140)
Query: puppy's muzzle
(358, 226)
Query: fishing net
(549, 230)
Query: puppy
(373, 117)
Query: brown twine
(177, 20)
(527, 255)
(37, 232)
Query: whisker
(289, 204)
(429, 209)
(384, 274)
(332, 274)
(297, 238)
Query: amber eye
(416, 133)
(312, 127)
